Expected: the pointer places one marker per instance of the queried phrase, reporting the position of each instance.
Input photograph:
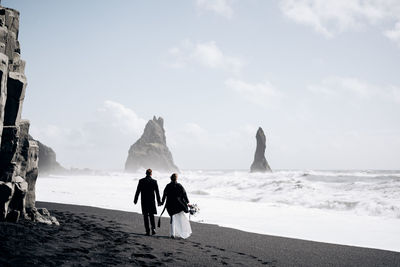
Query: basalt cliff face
(260, 163)
(19, 155)
(151, 150)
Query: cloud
(192, 136)
(334, 85)
(394, 34)
(206, 54)
(263, 94)
(101, 142)
(196, 147)
(333, 17)
(219, 7)
(124, 119)
(195, 131)
(394, 93)
(350, 86)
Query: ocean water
(360, 208)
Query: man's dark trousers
(146, 222)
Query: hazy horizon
(321, 78)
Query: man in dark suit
(147, 187)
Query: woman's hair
(173, 177)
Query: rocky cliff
(18, 154)
(151, 150)
(260, 163)
(48, 159)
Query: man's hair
(173, 177)
(149, 172)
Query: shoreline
(95, 235)
(238, 228)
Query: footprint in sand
(144, 255)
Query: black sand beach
(94, 236)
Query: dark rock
(8, 149)
(18, 198)
(151, 150)
(22, 153)
(13, 216)
(260, 163)
(41, 215)
(32, 173)
(48, 163)
(44, 212)
(6, 192)
(3, 82)
(27, 161)
(18, 153)
(16, 85)
(54, 220)
(48, 160)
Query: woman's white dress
(180, 225)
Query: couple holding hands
(176, 203)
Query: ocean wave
(375, 193)
(199, 192)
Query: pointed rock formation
(151, 150)
(18, 154)
(260, 164)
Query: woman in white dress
(177, 207)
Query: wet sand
(94, 236)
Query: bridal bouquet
(193, 209)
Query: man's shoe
(153, 232)
(147, 233)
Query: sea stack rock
(151, 150)
(18, 154)
(48, 163)
(260, 163)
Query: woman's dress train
(180, 225)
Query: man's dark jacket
(147, 187)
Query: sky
(322, 78)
